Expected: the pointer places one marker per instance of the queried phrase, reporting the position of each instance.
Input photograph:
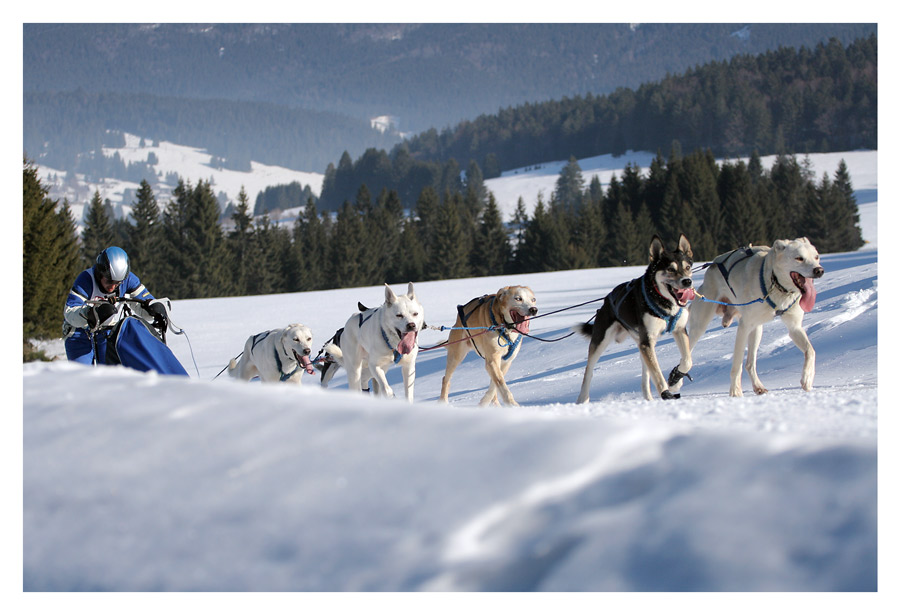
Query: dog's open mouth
(407, 341)
(520, 323)
(304, 362)
(682, 295)
(807, 291)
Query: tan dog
(511, 308)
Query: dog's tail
(232, 365)
(333, 352)
(585, 328)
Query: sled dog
(775, 281)
(279, 355)
(644, 309)
(510, 308)
(333, 358)
(378, 337)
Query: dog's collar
(284, 376)
(660, 311)
(775, 284)
(397, 355)
(510, 344)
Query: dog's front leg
(381, 378)
(750, 364)
(409, 378)
(498, 384)
(793, 319)
(682, 340)
(737, 360)
(650, 369)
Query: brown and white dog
(776, 281)
(475, 329)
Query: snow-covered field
(142, 482)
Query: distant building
(385, 123)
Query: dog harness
(617, 296)
(747, 253)
(464, 318)
(260, 337)
(397, 355)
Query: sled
(140, 344)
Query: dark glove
(99, 314)
(157, 309)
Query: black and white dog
(644, 309)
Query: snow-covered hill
(190, 163)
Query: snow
(190, 163)
(209, 484)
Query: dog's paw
(676, 376)
(670, 395)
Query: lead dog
(510, 307)
(645, 308)
(279, 355)
(382, 336)
(776, 281)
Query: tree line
(822, 99)
(183, 250)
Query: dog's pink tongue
(407, 342)
(808, 298)
(306, 364)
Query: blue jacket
(75, 325)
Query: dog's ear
(389, 297)
(656, 249)
(411, 291)
(685, 246)
(780, 244)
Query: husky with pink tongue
(377, 338)
(754, 285)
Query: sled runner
(137, 337)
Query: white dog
(379, 337)
(279, 355)
(776, 281)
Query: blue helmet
(112, 264)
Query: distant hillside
(297, 95)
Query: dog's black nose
(410, 326)
(306, 351)
(687, 282)
(818, 272)
(532, 311)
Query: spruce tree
(491, 246)
(569, 186)
(98, 232)
(844, 216)
(144, 239)
(448, 257)
(244, 258)
(310, 244)
(346, 249)
(49, 258)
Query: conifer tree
(625, 239)
(569, 186)
(49, 258)
(244, 257)
(345, 253)
(310, 244)
(744, 224)
(844, 216)
(98, 232)
(491, 246)
(448, 257)
(143, 244)
(412, 266)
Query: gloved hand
(98, 314)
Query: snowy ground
(142, 482)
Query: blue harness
(748, 252)
(397, 355)
(501, 329)
(260, 337)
